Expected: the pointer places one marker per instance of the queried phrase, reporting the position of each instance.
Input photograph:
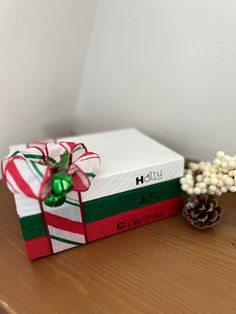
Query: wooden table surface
(164, 267)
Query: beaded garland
(213, 178)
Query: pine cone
(202, 211)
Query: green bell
(62, 184)
(55, 200)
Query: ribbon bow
(48, 173)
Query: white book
(129, 160)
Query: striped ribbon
(28, 175)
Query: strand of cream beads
(213, 178)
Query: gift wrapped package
(72, 191)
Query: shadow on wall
(60, 128)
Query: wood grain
(164, 267)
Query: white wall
(42, 48)
(167, 67)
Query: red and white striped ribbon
(29, 176)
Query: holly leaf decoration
(63, 164)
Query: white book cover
(129, 160)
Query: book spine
(134, 179)
(133, 219)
